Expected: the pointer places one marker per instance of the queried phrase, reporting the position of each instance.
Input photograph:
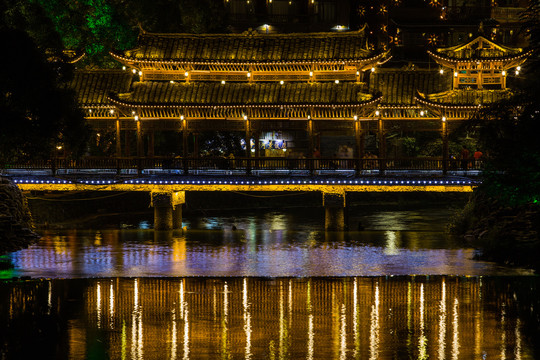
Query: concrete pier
(167, 209)
(335, 216)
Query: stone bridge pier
(335, 212)
(167, 209)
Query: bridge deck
(169, 182)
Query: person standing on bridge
(477, 156)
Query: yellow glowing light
(281, 82)
(186, 74)
(377, 112)
(337, 81)
(503, 73)
(441, 71)
(455, 73)
(140, 73)
(372, 69)
(136, 117)
(222, 82)
(248, 74)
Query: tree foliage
(509, 130)
(38, 112)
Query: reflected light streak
(98, 304)
(181, 293)
(409, 315)
(49, 297)
(422, 341)
(343, 333)
(517, 352)
(503, 333)
(186, 333)
(455, 327)
(111, 306)
(174, 339)
(225, 320)
(281, 323)
(290, 302)
(124, 341)
(442, 322)
(355, 319)
(391, 243)
(247, 320)
(374, 328)
(311, 334)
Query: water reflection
(253, 252)
(253, 318)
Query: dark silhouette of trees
(37, 112)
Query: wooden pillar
(184, 138)
(311, 149)
(150, 143)
(335, 215)
(139, 139)
(382, 147)
(359, 137)
(445, 145)
(248, 147)
(256, 136)
(118, 142)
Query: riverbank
(15, 219)
(508, 235)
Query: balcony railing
(242, 166)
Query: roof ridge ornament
(250, 32)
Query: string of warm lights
(146, 61)
(273, 106)
(476, 60)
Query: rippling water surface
(264, 244)
(269, 285)
(413, 317)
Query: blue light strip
(252, 182)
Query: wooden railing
(248, 165)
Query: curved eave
(114, 100)
(76, 58)
(419, 98)
(129, 61)
(450, 60)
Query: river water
(266, 285)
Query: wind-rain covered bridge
(167, 180)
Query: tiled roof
(477, 49)
(469, 97)
(213, 93)
(398, 87)
(251, 47)
(93, 86)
